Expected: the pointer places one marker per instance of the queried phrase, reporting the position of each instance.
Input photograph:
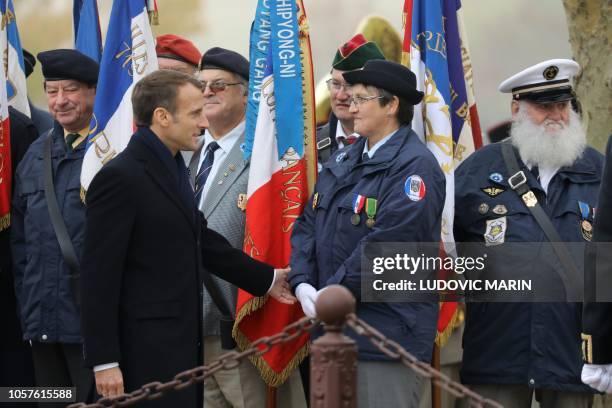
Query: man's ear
(161, 117)
(514, 108)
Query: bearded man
(513, 351)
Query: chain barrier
(397, 352)
(227, 361)
(232, 359)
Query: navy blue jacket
(326, 246)
(42, 285)
(534, 344)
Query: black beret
(220, 58)
(388, 75)
(28, 61)
(68, 64)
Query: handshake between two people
(280, 290)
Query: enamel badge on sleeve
(414, 188)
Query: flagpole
(271, 397)
(436, 395)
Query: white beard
(551, 149)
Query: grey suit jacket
(221, 210)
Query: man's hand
(280, 288)
(307, 295)
(598, 376)
(109, 382)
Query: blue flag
(129, 55)
(87, 36)
(13, 56)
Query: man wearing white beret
(539, 186)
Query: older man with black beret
(219, 175)
(48, 224)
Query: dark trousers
(61, 365)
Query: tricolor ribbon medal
(358, 203)
(370, 209)
(586, 228)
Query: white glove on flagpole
(598, 376)
(307, 295)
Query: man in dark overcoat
(145, 245)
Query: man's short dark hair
(405, 110)
(159, 89)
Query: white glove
(307, 295)
(598, 376)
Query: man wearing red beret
(177, 53)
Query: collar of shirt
(546, 174)
(341, 135)
(226, 143)
(377, 146)
(82, 136)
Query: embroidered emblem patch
(414, 187)
(340, 157)
(495, 231)
(493, 191)
(550, 72)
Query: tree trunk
(590, 37)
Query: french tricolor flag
(282, 172)
(10, 46)
(129, 55)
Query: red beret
(178, 48)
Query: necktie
(204, 170)
(70, 138)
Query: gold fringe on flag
(270, 377)
(455, 322)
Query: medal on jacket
(242, 201)
(586, 228)
(370, 210)
(358, 203)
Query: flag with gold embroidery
(129, 55)
(435, 49)
(280, 144)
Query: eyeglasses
(360, 100)
(217, 86)
(336, 86)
